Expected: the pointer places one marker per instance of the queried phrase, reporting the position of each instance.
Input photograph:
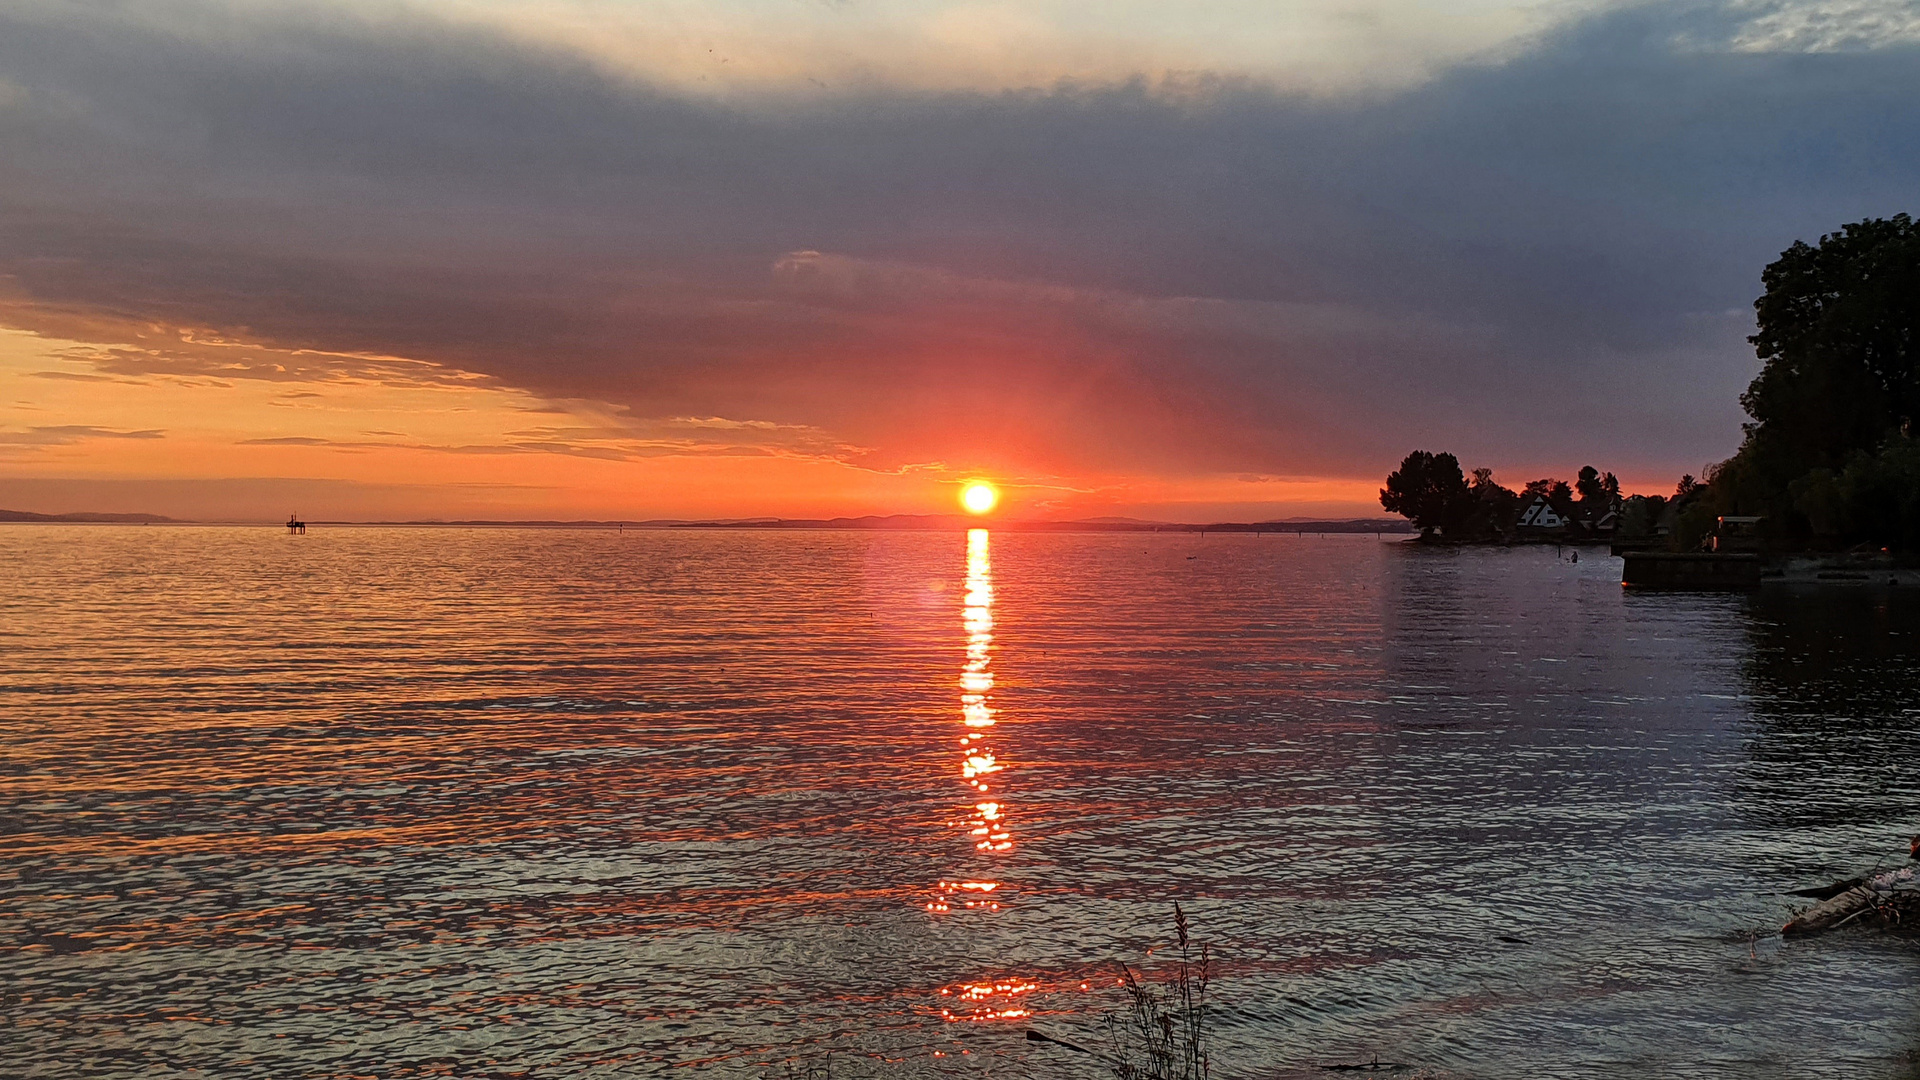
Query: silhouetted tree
(1875, 499)
(1839, 339)
(1822, 499)
(1694, 512)
(1881, 494)
(1641, 516)
(1428, 490)
(1838, 391)
(1588, 485)
(1494, 508)
(1559, 495)
(1599, 492)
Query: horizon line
(864, 522)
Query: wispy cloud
(72, 376)
(632, 441)
(68, 434)
(1822, 26)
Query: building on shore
(1540, 520)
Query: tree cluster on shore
(1433, 492)
(1831, 457)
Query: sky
(1214, 260)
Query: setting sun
(979, 498)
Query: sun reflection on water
(987, 824)
(989, 1001)
(985, 819)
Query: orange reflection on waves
(985, 820)
(951, 893)
(987, 824)
(988, 1001)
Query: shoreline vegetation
(1830, 461)
(1433, 493)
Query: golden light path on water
(987, 826)
(985, 818)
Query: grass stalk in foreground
(1161, 1034)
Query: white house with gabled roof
(1540, 516)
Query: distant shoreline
(889, 523)
(23, 517)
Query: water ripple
(428, 802)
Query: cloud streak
(68, 434)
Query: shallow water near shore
(502, 802)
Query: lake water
(519, 803)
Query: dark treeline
(1829, 461)
(1433, 492)
(1830, 458)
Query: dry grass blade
(1162, 1033)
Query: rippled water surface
(490, 803)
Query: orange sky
(91, 425)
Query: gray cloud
(1545, 259)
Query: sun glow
(979, 498)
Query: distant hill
(111, 519)
(533, 523)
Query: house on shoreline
(1540, 519)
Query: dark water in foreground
(395, 803)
